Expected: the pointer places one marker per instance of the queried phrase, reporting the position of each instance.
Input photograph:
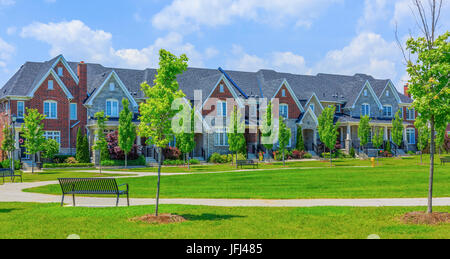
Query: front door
(23, 154)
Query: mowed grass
(43, 221)
(393, 178)
(54, 174)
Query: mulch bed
(161, 219)
(420, 217)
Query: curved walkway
(14, 193)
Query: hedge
(64, 165)
(181, 162)
(6, 164)
(138, 162)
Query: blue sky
(297, 36)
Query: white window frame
(283, 93)
(221, 88)
(221, 138)
(21, 110)
(363, 110)
(385, 114)
(49, 115)
(51, 85)
(366, 92)
(60, 71)
(76, 112)
(112, 87)
(222, 109)
(286, 107)
(411, 132)
(56, 135)
(312, 106)
(111, 113)
(409, 113)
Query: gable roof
(372, 92)
(58, 80)
(284, 82)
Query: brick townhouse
(70, 93)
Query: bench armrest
(125, 184)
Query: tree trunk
(32, 163)
(421, 162)
(430, 188)
(159, 179)
(100, 161)
(284, 160)
(236, 160)
(188, 162)
(126, 160)
(331, 158)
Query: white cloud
(7, 2)
(374, 11)
(190, 15)
(6, 52)
(77, 41)
(11, 30)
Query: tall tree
(397, 129)
(156, 111)
(100, 143)
(428, 71)
(284, 135)
(328, 131)
(186, 138)
(236, 129)
(85, 154)
(267, 129)
(79, 147)
(440, 136)
(127, 129)
(300, 143)
(423, 138)
(33, 132)
(378, 138)
(8, 144)
(364, 130)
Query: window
(112, 86)
(387, 93)
(221, 138)
(51, 109)
(284, 110)
(20, 109)
(365, 92)
(56, 135)
(221, 88)
(73, 111)
(50, 84)
(387, 111)
(410, 114)
(222, 109)
(60, 71)
(338, 108)
(253, 111)
(312, 107)
(283, 93)
(365, 109)
(411, 136)
(112, 108)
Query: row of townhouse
(70, 93)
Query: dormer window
(365, 92)
(50, 84)
(283, 93)
(387, 93)
(60, 71)
(221, 88)
(112, 87)
(312, 107)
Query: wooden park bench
(445, 160)
(6, 172)
(242, 163)
(92, 186)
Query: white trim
(76, 111)
(50, 109)
(287, 110)
(291, 92)
(233, 93)
(71, 72)
(392, 111)
(361, 113)
(317, 99)
(312, 114)
(112, 100)
(124, 89)
(367, 84)
(23, 111)
(393, 90)
(57, 79)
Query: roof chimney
(405, 90)
(82, 76)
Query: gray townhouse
(72, 92)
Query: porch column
(385, 133)
(16, 154)
(405, 139)
(348, 140)
(315, 137)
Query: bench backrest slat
(88, 185)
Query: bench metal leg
(117, 201)
(73, 197)
(62, 201)
(128, 200)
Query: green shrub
(194, 162)
(411, 153)
(71, 160)
(352, 152)
(173, 162)
(66, 165)
(307, 156)
(137, 162)
(6, 164)
(60, 159)
(216, 158)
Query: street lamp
(13, 122)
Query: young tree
(284, 135)
(267, 129)
(423, 138)
(364, 130)
(429, 74)
(328, 131)
(186, 139)
(8, 144)
(85, 154)
(300, 143)
(378, 138)
(50, 148)
(127, 129)
(100, 143)
(236, 129)
(397, 130)
(80, 146)
(156, 111)
(33, 131)
(440, 137)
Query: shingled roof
(264, 83)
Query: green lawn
(27, 220)
(394, 178)
(54, 174)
